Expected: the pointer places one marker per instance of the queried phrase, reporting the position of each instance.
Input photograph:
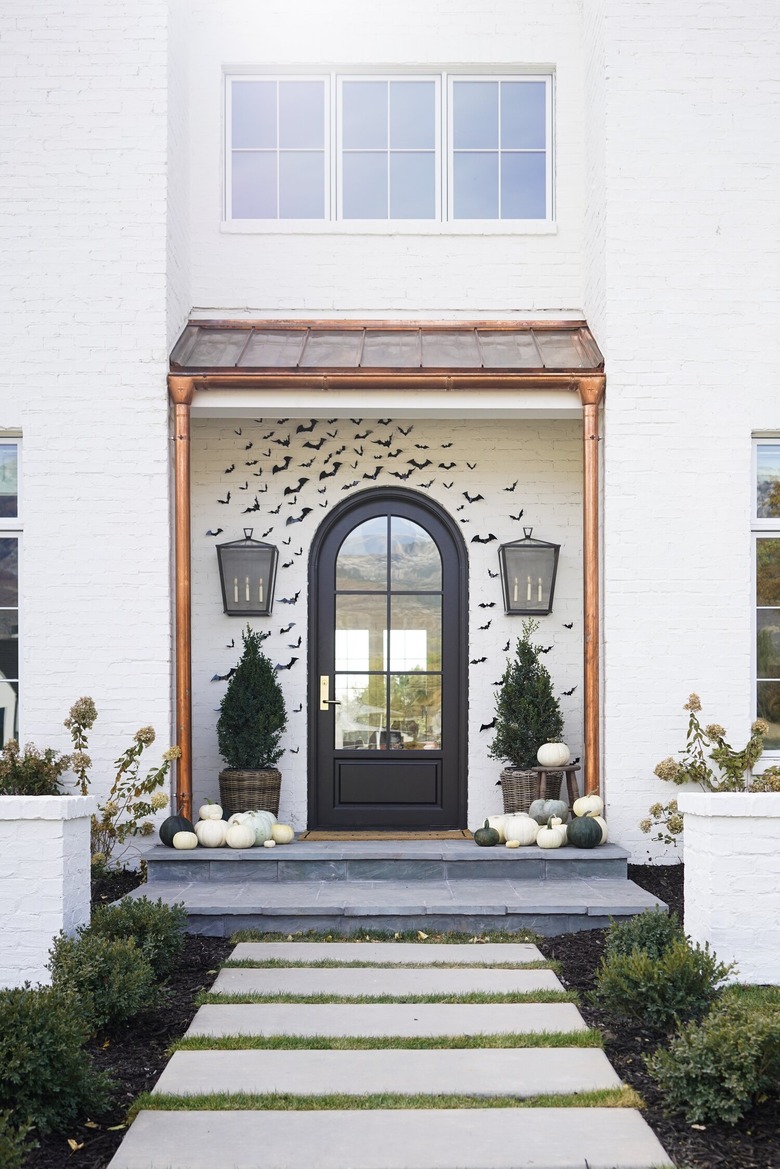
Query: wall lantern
(247, 572)
(528, 569)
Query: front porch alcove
(278, 423)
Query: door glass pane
(415, 633)
(415, 561)
(9, 477)
(9, 571)
(362, 712)
(768, 707)
(362, 558)
(415, 711)
(9, 645)
(768, 643)
(361, 631)
(768, 481)
(768, 572)
(9, 711)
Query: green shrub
(45, 1075)
(110, 976)
(653, 931)
(718, 1068)
(158, 929)
(31, 772)
(14, 1146)
(658, 992)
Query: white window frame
(11, 528)
(333, 222)
(763, 528)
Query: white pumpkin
(239, 835)
(263, 823)
(553, 755)
(498, 822)
(210, 811)
(586, 804)
(553, 834)
(522, 829)
(513, 844)
(603, 825)
(211, 833)
(185, 840)
(265, 812)
(269, 844)
(282, 834)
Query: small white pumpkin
(522, 829)
(211, 833)
(282, 834)
(513, 844)
(239, 835)
(498, 822)
(603, 825)
(553, 755)
(185, 840)
(553, 834)
(210, 811)
(586, 804)
(269, 844)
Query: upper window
(9, 590)
(439, 148)
(767, 574)
(9, 480)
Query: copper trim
(591, 391)
(385, 380)
(181, 392)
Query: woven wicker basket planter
(519, 789)
(240, 791)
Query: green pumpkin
(171, 826)
(584, 832)
(542, 810)
(486, 837)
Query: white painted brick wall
(732, 879)
(44, 879)
(543, 456)
(327, 274)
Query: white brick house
(650, 209)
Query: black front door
(388, 682)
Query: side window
(767, 571)
(9, 590)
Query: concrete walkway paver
(353, 982)
(390, 953)
(502, 1071)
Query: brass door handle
(325, 701)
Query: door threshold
(391, 834)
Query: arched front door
(388, 666)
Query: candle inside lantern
(540, 590)
(235, 590)
(260, 593)
(246, 587)
(515, 594)
(528, 594)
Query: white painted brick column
(44, 879)
(732, 878)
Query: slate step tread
(512, 1138)
(395, 1019)
(519, 1072)
(368, 981)
(397, 953)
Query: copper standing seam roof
(330, 354)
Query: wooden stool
(547, 787)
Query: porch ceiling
(348, 355)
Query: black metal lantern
(247, 572)
(528, 569)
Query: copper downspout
(591, 391)
(181, 390)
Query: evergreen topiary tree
(527, 711)
(252, 713)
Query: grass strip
(335, 964)
(446, 937)
(589, 1038)
(240, 1101)
(210, 998)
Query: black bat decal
(225, 500)
(331, 433)
(298, 709)
(488, 539)
(294, 750)
(288, 540)
(255, 507)
(428, 484)
(340, 451)
(292, 490)
(325, 504)
(295, 644)
(297, 519)
(354, 465)
(281, 466)
(347, 486)
(566, 624)
(487, 604)
(461, 507)
(506, 647)
(569, 693)
(267, 532)
(239, 431)
(447, 466)
(289, 600)
(245, 487)
(262, 490)
(330, 474)
(491, 574)
(447, 485)
(299, 552)
(408, 430)
(308, 464)
(393, 454)
(251, 463)
(402, 474)
(358, 451)
(472, 498)
(287, 628)
(382, 441)
(465, 521)
(418, 446)
(477, 661)
(384, 421)
(301, 429)
(314, 446)
(218, 532)
(229, 470)
(231, 644)
(288, 564)
(512, 487)
(419, 466)
(471, 466)
(321, 490)
(488, 726)
(376, 472)
(282, 441)
(486, 626)
(249, 446)
(270, 434)
(517, 517)
(545, 649)
(356, 421)
(275, 510)
(281, 421)
(360, 437)
(223, 677)
(446, 445)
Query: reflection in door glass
(362, 559)
(415, 710)
(415, 637)
(415, 561)
(362, 713)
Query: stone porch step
(349, 982)
(389, 953)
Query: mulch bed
(136, 1055)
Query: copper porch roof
(292, 350)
